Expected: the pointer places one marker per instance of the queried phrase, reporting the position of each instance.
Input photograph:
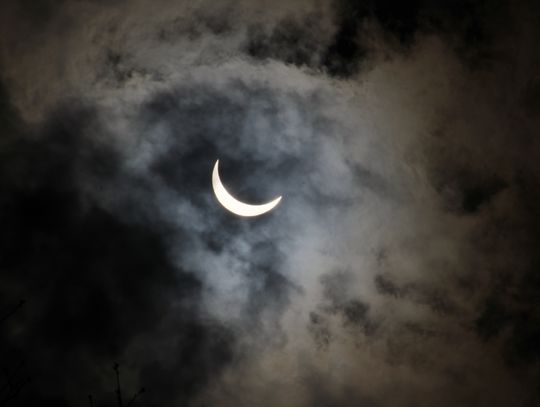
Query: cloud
(399, 268)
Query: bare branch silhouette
(14, 390)
(118, 389)
(135, 396)
(10, 377)
(13, 311)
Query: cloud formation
(399, 268)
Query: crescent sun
(232, 204)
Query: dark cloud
(215, 21)
(95, 283)
(339, 301)
(402, 22)
(293, 42)
(511, 311)
(436, 300)
(467, 191)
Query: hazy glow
(234, 205)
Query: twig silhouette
(11, 376)
(135, 396)
(13, 311)
(118, 390)
(14, 391)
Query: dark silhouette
(14, 379)
(13, 311)
(118, 391)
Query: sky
(400, 269)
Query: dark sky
(400, 269)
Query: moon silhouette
(232, 204)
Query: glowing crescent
(234, 205)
